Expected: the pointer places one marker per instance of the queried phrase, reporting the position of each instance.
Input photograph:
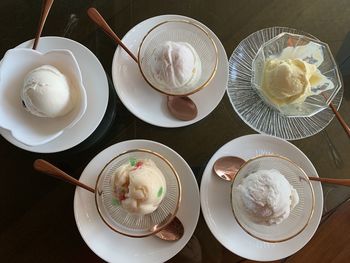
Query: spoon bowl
(226, 167)
(176, 106)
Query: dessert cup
(298, 218)
(179, 31)
(119, 219)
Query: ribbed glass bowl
(179, 31)
(298, 218)
(133, 225)
(309, 50)
(252, 109)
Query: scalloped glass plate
(252, 109)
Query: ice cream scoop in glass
(138, 193)
(176, 58)
(272, 198)
(295, 75)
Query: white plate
(148, 104)
(114, 247)
(96, 86)
(216, 208)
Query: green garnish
(115, 202)
(160, 192)
(132, 161)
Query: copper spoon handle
(44, 12)
(340, 119)
(345, 182)
(48, 168)
(96, 17)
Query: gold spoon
(181, 107)
(172, 232)
(226, 168)
(44, 12)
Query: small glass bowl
(133, 225)
(299, 216)
(317, 53)
(179, 31)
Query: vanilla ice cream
(46, 92)
(175, 66)
(139, 186)
(289, 80)
(266, 196)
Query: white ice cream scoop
(267, 196)
(175, 66)
(47, 92)
(139, 186)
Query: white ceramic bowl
(24, 126)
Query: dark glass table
(37, 221)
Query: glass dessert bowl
(272, 198)
(295, 75)
(138, 193)
(177, 58)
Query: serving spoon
(181, 107)
(172, 232)
(46, 6)
(227, 167)
(45, 9)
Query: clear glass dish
(249, 105)
(134, 225)
(179, 31)
(295, 46)
(299, 216)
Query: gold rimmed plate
(150, 105)
(216, 205)
(114, 247)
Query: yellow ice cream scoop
(289, 80)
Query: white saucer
(148, 104)
(114, 247)
(216, 208)
(96, 86)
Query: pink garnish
(137, 165)
(122, 197)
